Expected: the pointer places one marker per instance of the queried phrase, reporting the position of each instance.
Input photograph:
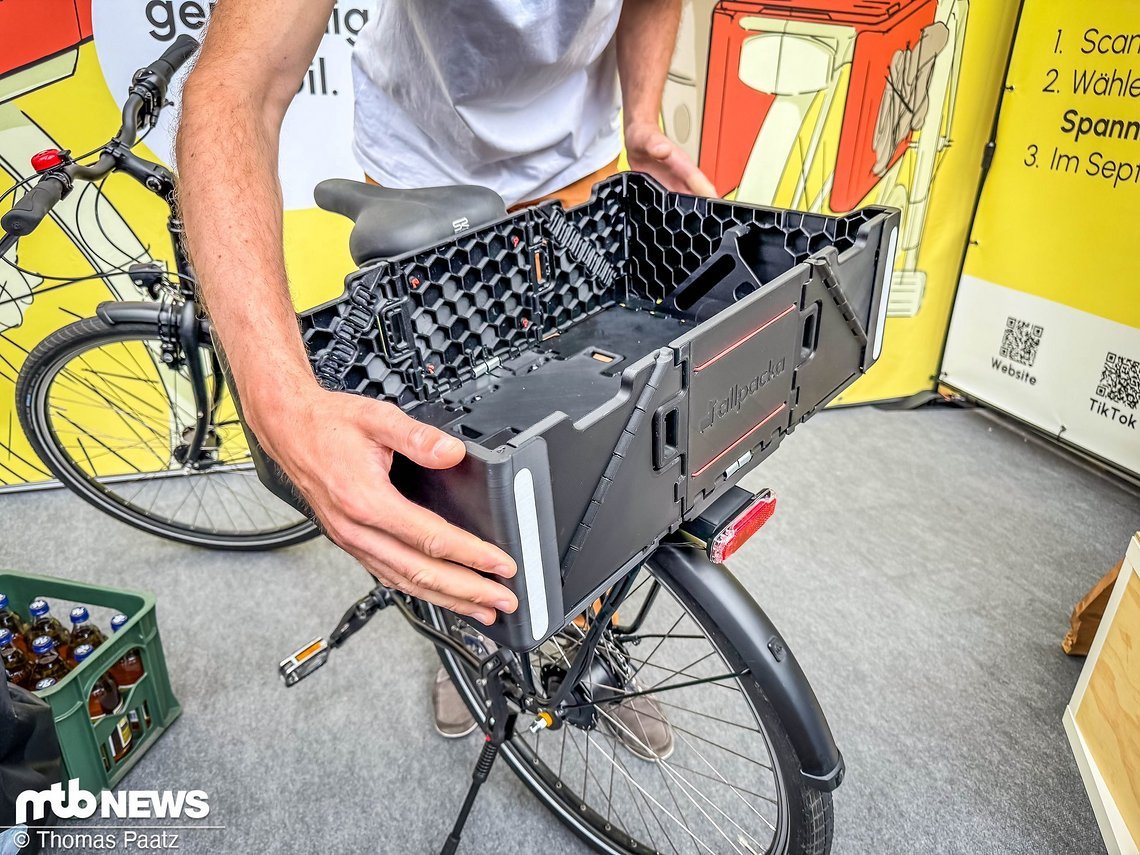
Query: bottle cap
(79, 614)
(3, 601)
(118, 622)
(45, 683)
(5, 637)
(38, 608)
(82, 652)
(42, 645)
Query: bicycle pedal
(304, 662)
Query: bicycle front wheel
(113, 423)
(697, 760)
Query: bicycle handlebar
(166, 66)
(34, 206)
(30, 211)
(133, 109)
(148, 90)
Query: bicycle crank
(305, 660)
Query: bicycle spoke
(657, 646)
(707, 715)
(667, 767)
(114, 415)
(714, 791)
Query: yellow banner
(60, 88)
(1046, 324)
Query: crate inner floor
(575, 372)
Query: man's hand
(652, 152)
(646, 36)
(337, 449)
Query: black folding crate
(612, 368)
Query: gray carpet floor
(922, 566)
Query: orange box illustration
(762, 50)
(34, 30)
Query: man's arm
(336, 448)
(646, 37)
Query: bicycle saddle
(392, 222)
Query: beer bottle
(120, 739)
(104, 698)
(48, 662)
(83, 629)
(43, 623)
(16, 664)
(128, 670)
(11, 621)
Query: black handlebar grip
(34, 206)
(166, 66)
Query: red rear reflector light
(747, 523)
(47, 159)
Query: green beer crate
(148, 707)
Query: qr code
(1020, 340)
(1120, 380)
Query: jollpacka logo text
(734, 400)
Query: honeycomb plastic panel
(464, 304)
(409, 329)
(470, 302)
(670, 235)
(575, 293)
(355, 316)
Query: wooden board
(1109, 713)
(1103, 717)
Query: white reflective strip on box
(881, 320)
(526, 512)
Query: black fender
(765, 653)
(130, 312)
(142, 312)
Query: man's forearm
(229, 195)
(336, 449)
(646, 36)
(231, 206)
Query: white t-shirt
(517, 95)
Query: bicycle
(507, 331)
(129, 409)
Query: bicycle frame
(178, 322)
(161, 182)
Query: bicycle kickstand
(502, 722)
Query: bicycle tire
(46, 362)
(806, 824)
